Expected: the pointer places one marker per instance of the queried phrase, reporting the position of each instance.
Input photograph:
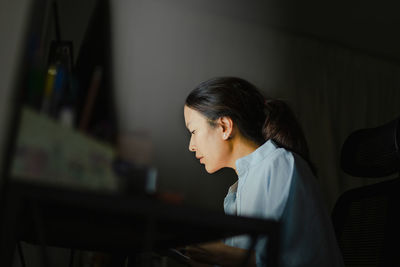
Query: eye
(192, 132)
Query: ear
(226, 125)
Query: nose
(192, 148)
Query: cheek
(216, 153)
(210, 145)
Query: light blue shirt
(277, 184)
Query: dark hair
(257, 119)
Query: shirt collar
(243, 163)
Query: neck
(240, 147)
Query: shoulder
(274, 172)
(270, 181)
(279, 162)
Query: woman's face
(206, 141)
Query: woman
(232, 125)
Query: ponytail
(282, 127)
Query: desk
(108, 222)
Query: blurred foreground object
(135, 179)
(50, 153)
(136, 147)
(133, 164)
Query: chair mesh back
(372, 152)
(363, 234)
(366, 224)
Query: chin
(211, 170)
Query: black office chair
(366, 219)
